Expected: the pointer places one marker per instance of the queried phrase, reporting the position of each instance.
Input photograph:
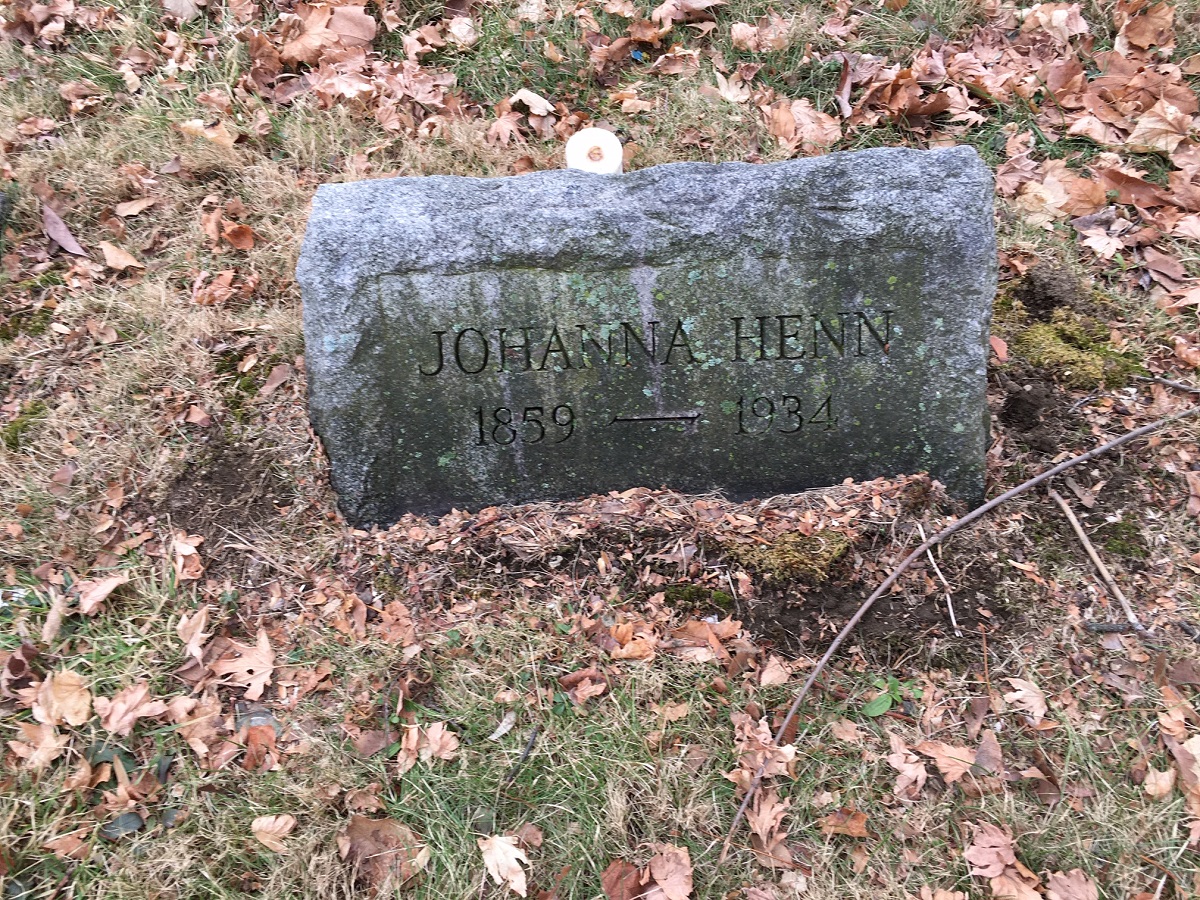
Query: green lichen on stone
(1075, 350)
(14, 431)
(795, 555)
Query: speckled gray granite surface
(754, 329)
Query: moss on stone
(1075, 350)
(14, 431)
(795, 555)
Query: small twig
(946, 532)
(512, 773)
(1105, 575)
(987, 675)
(945, 584)
(1167, 873)
(1109, 627)
(1178, 385)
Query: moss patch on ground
(32, 322)
(1076, 351)
(795, 555)
(695, 596)
(14, 431)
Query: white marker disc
(595, 150)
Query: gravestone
(754, 329)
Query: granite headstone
(753, 329)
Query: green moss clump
(796, 555)
(1075, 350)
(696, 597)
(685, 595)
(388, 586)
(238, 388)
(1125, 539)
(32, 322)
(12, 433)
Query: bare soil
(226, 495)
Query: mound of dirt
(1048, 287)
(229, 490)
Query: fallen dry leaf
(503, 859)
(769, 33)
(1060, 20)
(991, 851)
(621, 881)
(270, 831)
(73, 845)
(775, 672)
(845, 730)
(1073, 885)
(279, 375)
(1027, 696)
(188, 564)
(439, 743)
(992, 855)
(1159, 784)
(385, 854)
(768, 836)
(42, 745)
(56, 229)
(93, 593)
(671, 869)
(847, 821)
(191, 631)
(251, 668)
(537, 105)
(952, 762)
(133, 207)
(912, 775)
(240, 237)
(324, 28)
(183, 10)
(121, 713)
(216, 132)
(63, 698)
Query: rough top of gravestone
(667, 213)
(387, 262)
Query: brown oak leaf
(119, 714)
(385, 854)
(251, 668)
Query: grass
(599, 783)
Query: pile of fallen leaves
(1118, 104)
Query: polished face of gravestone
(749, 329)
